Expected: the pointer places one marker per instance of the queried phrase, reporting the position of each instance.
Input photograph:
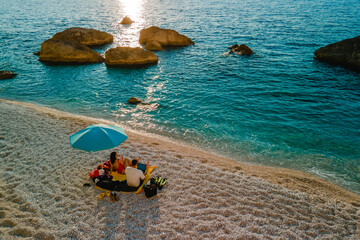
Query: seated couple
(133, 170)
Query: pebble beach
(207, 197)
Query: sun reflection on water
(142, 115)
(132, 8)
(128, 35)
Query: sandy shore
(207, 197)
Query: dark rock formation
(57, 51)
(7, 75)
(88, 37)
(37, 53)
(165, 37)
(127, 20)
(134, 100)
(345, 53)
(241, 50)
(129, 57)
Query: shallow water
(278, 107)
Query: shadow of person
(113, 211)
(139, 215)
(129, 217)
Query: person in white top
(134, 176)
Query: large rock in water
(88, 37)
(345, 53)
(165, 37)
(129, 57)
(7, 75)
(57, 51)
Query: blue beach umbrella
(98, 137)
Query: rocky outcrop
(57, 51)
(126, 20)
(345, 53)
(71, 46)
(164, 37)
(88, 37)
(134, 100)
(7, 75)
(129, 57)
(241, 50)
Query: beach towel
(118, 182)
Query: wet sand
(207, 196)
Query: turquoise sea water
(278, 107)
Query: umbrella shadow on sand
(130, 217)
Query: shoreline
(289, 178)
(42, 193)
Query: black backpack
(150, 190)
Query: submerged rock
(129, 57)
(7, 75)
(126, 20)
(134, 100)
(241, 50)
(345, 53)
(88, 37)
(57, 51)
(165, 37)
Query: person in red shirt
(118, 165)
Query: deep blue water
(278, 107)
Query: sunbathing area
(133, 178)
(116, 174)
(49, 190)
